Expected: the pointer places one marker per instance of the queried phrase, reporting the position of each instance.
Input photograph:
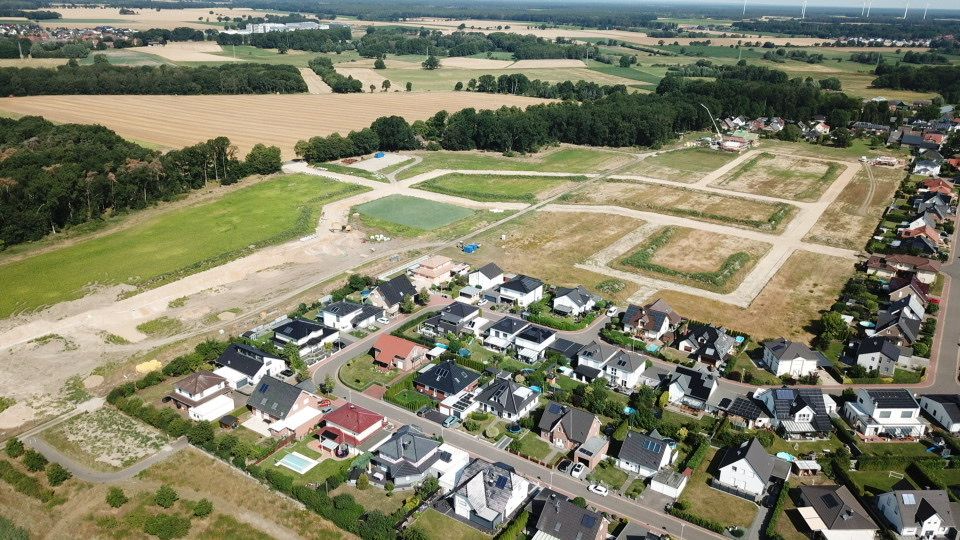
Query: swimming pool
(297, 462)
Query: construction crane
(715, 126)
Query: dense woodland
(55, 176)
(521, 85)
(944, 80)
(102, 78)
(323, 67)
(399, 40)
(832, 28)
(333, 40)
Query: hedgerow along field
(172, 244)
(484, 188)
(408, 216)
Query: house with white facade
(621, 368)
(243, 365)
(644, 455)
(783, 357)
(651, 322)
(522, 291)
(944, 409)
(798, 413)
(575, 302)
(203, 394)
(502, 335)
(885, 413)
(405, 459)
(691, 387)
(486, 277)
(507, 399)
(287, 410)
(882, 354)
(490, 494)
(349, 316)
(669, 482)
(746, 470)
(918, 513)
(835, 513)
(390, 294)
(308, 336)
(533, 341)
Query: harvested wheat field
(786, 177)
(546, 64)
(187, 51)
(32, 62)
(367, 76)
(145, 19)
(315, 84)
(463, 62)
(282, 120)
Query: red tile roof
(353, 418)
(387, 348)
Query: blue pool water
(652, 348)
(629, 410)
(297, 463)
(787, 456)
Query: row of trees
(102, 78)
(942, 79)
(380, 41)
(520, 85)
(830, 28)
(323, 67)
(330, 40)
(56, 176)
(385, 133)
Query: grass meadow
(409, 216)
(172, 244)
(525, 189)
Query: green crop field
(172, 244)
(568, 160)
(495, 188)
(412, 214)
(687, 165)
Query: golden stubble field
(282, 120)
(201, 18)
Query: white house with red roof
(350, 426)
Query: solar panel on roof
(501, 482)
(653, 446)
(555, 408)
(588, 521)
(830, 500)
(909, 499)
(263, 388)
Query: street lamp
(682, 525)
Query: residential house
(566, 348)
(567, 427)
(835, 513)
(708, 344)
(286, 409)
(619, 367)
(938, 202)
(405, 458)
(783, 357)
(242, 364)
(507, 399)
(532, 342)
(918, 513)
(452, 319)
(643, 455)
(449, 467)
(926, 167)
(486, 277)
(881, 354)
(350, 428)
(203, 394)
(921, 244)
(745, 413)
(574, 302)
(632, 531)
(391, 352)
(445, 379)
(390, 294)
(307, 336)
(798, 412)
(885, 413)
(490, 494)
(670, 482)
(944, 409)
(940, 185)
(926, 219)
(900, 288)
(925, 231)
(434, 271)
(559, 519)
(748, 469)
(502, 335)
(691, 387)
(348, 316)
(522, 291)
(926, 270)
(873, 129)
(651, 322)
(901, 322)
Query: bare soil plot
(851, 219)
(187, 51)
(548, 245)
(549, 63)
(686, 165)
(32, 62)
(106, 439)
(282, 120)
(463, 62)
(793, 298)
(367, 76)
(710, 261)
(315, 84)
(788, 177)
(700, 205)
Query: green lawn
(494, 188)
(361, 372)
(608, 474)
(566, 160)
(409, 216)
(635, 489)
(403, 394)
(760, 376)
(533, 446)
(686, 165)
(353, 171)
(173, 244)
(436, 525)
(895, 449)
(713, 504)
(798, 448)
(319, 473)
(876, 482)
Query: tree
(203, 508)
(388, 487)
(407, 306)
(431, 62)
(833, 327)
(830, 83)
(409, 86)
(34, 460)
(627, 61)
(842, 138)
(621, 432)
(57, 475)
(394, 133)
(423, 297)
(790, 132)
(458, 87)
(14, 447)
(579, 501)
(386, 85)
(363, 481)
(264, 159)
(379, 64)
(292, 353)
(663, 400)
(116, 498)
(165, 497)
(373, 88)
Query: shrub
(24, 483)
(165, 497)
(203, 508)
(166, 527)
(515, 529)
(579, 501)
(57, 475)
(695, 519)
(34, 460)
(9, 530)
(363, 482)
(14, 448)
(116, 497)
(491, 432)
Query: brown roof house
(889, 266)
(391, 352)
(281, 409)
(651, 322)
(203, 394)
(569, 428)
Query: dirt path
(864, 208)
(315, 84)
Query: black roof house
(559, 518)
(522, 284)
(394, 290)
(243, 359)
(643, 450)
(501, 396)
(576, 423)
(447, 377)
(490, 270)
(274, 397)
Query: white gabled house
(522, 291)
(348, 316)
(944, 409)
(918, 513)
(532, 342)
(502, 335)
(643, 455)
(574, 301)
(746, 470)
(619, 367)
(243, 365)
(486, 277)
(885, 413)
(308, 336)
(783, 357)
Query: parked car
(422, 410)
(482, 302)
(599, 490)
(564, 465)
(383, 320)
(578, 470)
(611, 311)
(450, 421)
(286, 373)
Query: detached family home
(504, 332)
(885, 413)
(203, 395)
(835, 513)
(391, 352)
(708, 344)
(242, 364)
(286, 409)
(522, 291)
(748, 469)
(918, 513)
(308, 336)
(409, 456)
(559, 519)
(574, 302)
(570, 428)
(533, 341)
(348, 316)
(507, 399)
(457, 318)
(926, 167)
(888, 266)
(434, 271)
(643, 455)
(619, 367)
(651, 322)
(783, 357)
(490, 494)
(350, 427)
(390, 294)
(900, 322)
(882, 354)
(486, 277)
(799, 412)
(691, 387)
(445, 379)
(944, 409)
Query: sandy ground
(315, 84)
(75, 17)
(282, 120)
(376, 164)
(367, 76)
(555, 63)
(489, 63)
(187, 51)
(690, 250)
(32, 62)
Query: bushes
(23, 482)
(14, 448)
(116, 497)
(696, 457)
(676, 511)
(166, 527)
(34, 461)
(202, 508)
(771, 531)
(560, 323)
(515, 530)
(165, 497)
(57, 475)
(871, 462)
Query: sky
(914, 4)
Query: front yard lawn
(533, 446)
(360, 373)
(403, 394)
(714, 504)
(436, 525)
(636, 488)
(608, 474)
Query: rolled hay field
(281, 120)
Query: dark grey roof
(447, 377)
(536, 334)
(788, 401)
(342, 308)
(784, 349)
(408, 443)
(879, 344)
(298, 329)
(837, 508)
(908, 326)
(243, 358)
(578, 295)
(367, 311)
(490, 270)
(695, 383)
(752, 451)
(635, 532)
(950, 403)
(458, 310)
(522, 284)
(576, 423)
(274, 397)
(561, 519)
(626, 361)
(632, 315)
(565, 347)
(892, 399)
(509, 325)
(501, 395)
(713, 342)
(643, 450)
(916, 506)
(745, 408)
(587, 371)
(394, 290)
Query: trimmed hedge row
(771, 531)
(868, 462)
(696, 457)
(516, 527)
